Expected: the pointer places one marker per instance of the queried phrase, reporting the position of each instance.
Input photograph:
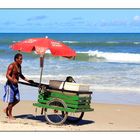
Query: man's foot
(11, 118)
(6, 111)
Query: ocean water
(108, 62)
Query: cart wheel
(54, 116)
(74, 117)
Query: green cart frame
(62, 105)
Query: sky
(70, 20)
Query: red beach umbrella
(41, 45)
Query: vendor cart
(61, 105)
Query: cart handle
(35, 84)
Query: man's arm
(23, 77)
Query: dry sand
(105, 117)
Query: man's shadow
(41, 118)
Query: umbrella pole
(41, 66)
(41, 76)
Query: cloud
(37, 18)
(29, 24)
(8, 23)
(77, 18)
(135, 21)
(136, 18)
(114, 22)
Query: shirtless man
(12, 95)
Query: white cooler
(68, 85)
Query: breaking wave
(111, 56)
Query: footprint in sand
(25, 123)
(4, 121)
(111, 123)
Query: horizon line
(71, 32)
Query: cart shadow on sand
(41, 118)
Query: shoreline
(105, 117)
(98, 96)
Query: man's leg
(10, 107)
(15, 103)
(6, 111)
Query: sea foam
(115, 57)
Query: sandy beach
(105, 117)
